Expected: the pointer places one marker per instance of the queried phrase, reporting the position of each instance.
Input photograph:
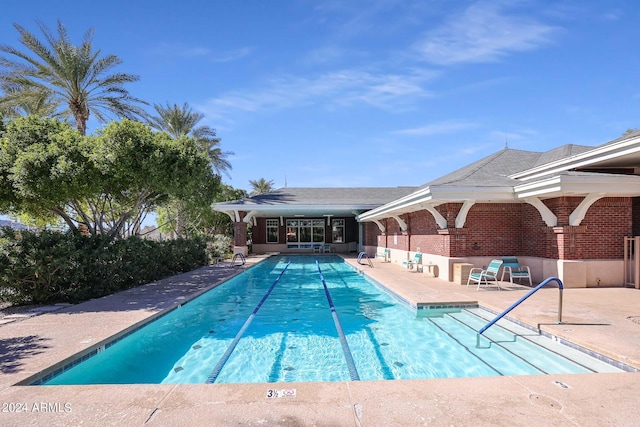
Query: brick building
(564, 213)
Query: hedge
(51, 267)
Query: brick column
(568, 241)
(455, 242)
(240, 238)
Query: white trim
(580, 211)
(440, 220)
(581, 184)
(461, 218)
(380, 226)
(237, 214)
(598, 154)
(548, 217)
(328, 220)
(401, 223)
(249, 215)
(436, 195)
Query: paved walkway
(599, 319)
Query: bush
(48, 267)
(219, 246)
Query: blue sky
(332, 93)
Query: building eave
(580, 185)
(603, 155)
(437, 195)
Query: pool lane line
(223, 360)
(353, 372)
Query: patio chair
(415, 262)
(326, 248)
(385, 255)
(484, 275)
(317, 248)
(512, 267)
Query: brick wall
(635, 206)
(501, 229)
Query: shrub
(49, 267)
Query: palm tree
(183, 121)
(31, 102)
(261, 186)
(71, 76)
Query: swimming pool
(293, 336)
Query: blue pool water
(293, 336)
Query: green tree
(104, 183)
(29, 102)
(74, 77)
(183, 121)
(261, 186)
(180, 216)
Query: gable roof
(329, 196)
(492, 170)
(290, 201)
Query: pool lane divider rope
(223, 360)
(353, 372)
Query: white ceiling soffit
(625, 153)
(580, 185)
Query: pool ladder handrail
(236, 256)
(517, 303)
(362, 255)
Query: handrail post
(560, 305)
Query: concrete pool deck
(601, 320)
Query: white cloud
(483, 32)
(177, 50)
(437, 128)
(232, 55)
(333, 89)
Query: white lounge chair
(512, 267)
(484, 275)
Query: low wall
(574, 273)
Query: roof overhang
(622, 154)
(436, 195)
(308, 210)
(580, 184)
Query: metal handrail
(236, 256)
(362, 255)
(517, 303)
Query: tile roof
(329, 196)
(495, 169)
(492, 171)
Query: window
(272, 231)
(304, 232)
(337, 230)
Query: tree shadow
(14, 350)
